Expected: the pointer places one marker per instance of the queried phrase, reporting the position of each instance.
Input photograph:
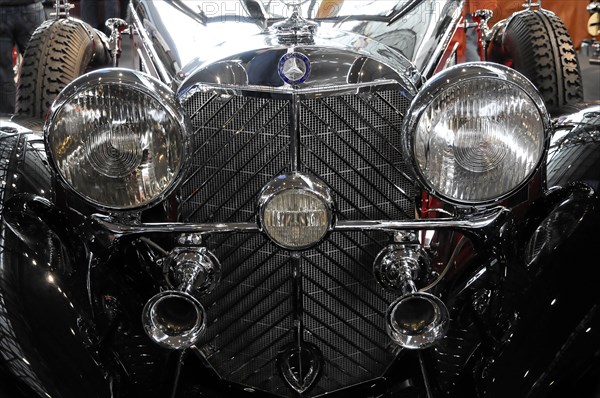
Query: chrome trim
(149, 47)
(117, 28)
(138, 81)
(194, 270)
(530, 4)
(334, 63)
(408, 8)
(297, 93)
(295, 132)
(166, 331)
(455, 76)
(443, 42)
(487, 33)
(121, 230)
(480, 226)
(403, 36)
(62, 9)
(417, 333)
(295, 29)
(400, 265)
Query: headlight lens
(117, 138)
(295, 211)
(477, 133)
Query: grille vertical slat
(352, 144)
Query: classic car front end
(323, 207)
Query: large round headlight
(476, 132)
(295, 211)
(118, 138)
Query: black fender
(525, 313)
(48, 343)
(551, 348)
(575, 149)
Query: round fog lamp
(294, 216)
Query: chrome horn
(175, 319)
(416, 319)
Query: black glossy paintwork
(70, 299)
(554, 335)
(46, 334)
(575, 152)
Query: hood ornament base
(295, 29)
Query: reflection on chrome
(175, 319)
(415, 320)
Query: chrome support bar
(117, 28)
(480, 226)
(397, 266)
(530, 4)
(485, 16)
(149, 46)
(62, 9)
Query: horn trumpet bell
(174, 319)
(417, 320)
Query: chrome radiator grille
(352, 143)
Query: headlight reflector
(477, 132)
(117, 138)
(295, 211)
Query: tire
(59, 51)
(537, 44)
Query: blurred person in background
(18, 20)
(90, 13)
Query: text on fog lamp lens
(296, 219)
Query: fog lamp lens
(296, 219)
(295, 210)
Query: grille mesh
(352, 143)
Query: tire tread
(543, 51)
(58, 52)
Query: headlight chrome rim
(155, 91)
(302, 184)
(451, 78)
